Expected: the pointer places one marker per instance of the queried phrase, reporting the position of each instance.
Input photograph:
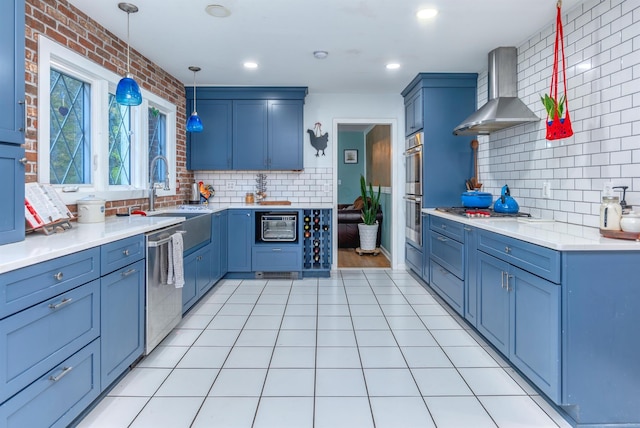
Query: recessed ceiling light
(320, 54)
(393, 66)
(426, 13)
(218, 10)
(250, 65)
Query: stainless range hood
(504, 109)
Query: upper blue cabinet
(247, 129)
(12, 96)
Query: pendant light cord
(128, 37)
(194, 91)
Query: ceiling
(361, 37)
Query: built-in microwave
(276, 226)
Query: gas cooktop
(479, 212)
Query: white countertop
(38, 247)
(551, 234)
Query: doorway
(363, 149)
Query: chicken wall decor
(318, 139)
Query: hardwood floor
(348, 258)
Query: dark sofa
(348, 219)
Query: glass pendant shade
(194, 124)
(128, 92)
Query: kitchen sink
(197, 227)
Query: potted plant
(553, 107)
(368, 229)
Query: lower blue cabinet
(276, 258)
(58, 396)
(38, 338)
(493, 301)
(122, 303)
(241, 237)
(413, 258)
(198, 277)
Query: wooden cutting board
(274, 203)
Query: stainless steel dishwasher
(163, 301)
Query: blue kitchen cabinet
(12, 82)
(493, 301)
(211, 149)
(241, 238)
(219, 235)
(285, 135)
(413, 112)
(250, 135)
(276, 258)
(248, 128)
(122, 304)
(413, 257)
(470, 275)
(12, 222)
(426, 250)
(519, 312)
(198, 277)
(436, 103)
(57, 397)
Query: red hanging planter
(558, 127)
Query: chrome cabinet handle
(125, 252)
(23, 161)
(507, 250)
(58, 276)
(509, 277)
(441, 239)
(129, 272)
(248, 215)
(276, 249)
(62, 303)
(65, 371)
(468, 229)
(443, 226)
(23, 103)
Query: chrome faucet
(152, 186)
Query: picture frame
(351, 156)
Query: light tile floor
(365, 348)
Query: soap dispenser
(623, 203)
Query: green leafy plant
(552, 106)
(371, 202)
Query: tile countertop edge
(555, 235)
(38, 247)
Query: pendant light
(194, 124)
(128, 91)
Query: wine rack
(316, 240)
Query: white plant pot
(368, 235)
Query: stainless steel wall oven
(413, 188)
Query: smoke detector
(320, 54)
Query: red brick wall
(65, 24)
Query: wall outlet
(546, 190)
(231, 185)
(326, 187)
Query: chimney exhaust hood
(504, 109)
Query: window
(97, 146)
(69, 145)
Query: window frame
(103, 82)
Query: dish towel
(175, 270)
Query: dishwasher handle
(153, 244)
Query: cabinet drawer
(448, 253)
(59, 396)
(448, 286)
(34, 340)
(25, 287)
(452, 229)
(413, 258)
(115, 255)
(277, 258)
(538, 260)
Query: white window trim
(103, 81)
